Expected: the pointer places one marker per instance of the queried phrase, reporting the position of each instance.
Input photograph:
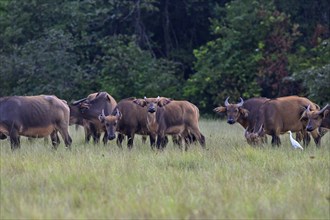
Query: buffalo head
(315, 117)
(233, 111)
(152, 103)
(110, 122)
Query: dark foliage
(201, 50)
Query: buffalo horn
(117, 113)
(78, 101)
(226, 101)
(323, 109)
(303, 115)
(241, 102)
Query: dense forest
(199, 50)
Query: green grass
(229, 180)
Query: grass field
(229, 180)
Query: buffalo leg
(63, 129)
(95, 134)
(152, 141)
(96, 138)
(161, 142)
(67, 139)
(196, 134)
(276, 141)
(105, 138)
(176, 140)
(88, 134)
(130, 140)
(120, 139)
(165, 142)
(202, 141)
(144, 139)
(299, 136)
(55, 139)
(306, 138)
(15, 141)
(317, 141)
(317, 137)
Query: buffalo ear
(244, 112)
(326, 113)
(140, 102)
(84, 105)
(164, 101)
(101, 118)
(220, 109)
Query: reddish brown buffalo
(91, 107)
(34, 116)
(127, 119)
(317, 118)
(277, 116)
(169, 117)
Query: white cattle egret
(295, 144)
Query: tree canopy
(200, 50)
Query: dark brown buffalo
(317, 118)
(170, 117)
(34, 116)
(277, 116)
(76, 118)
(127, 119)
(91, 107)
(245, 113)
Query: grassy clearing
(229, 180)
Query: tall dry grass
(229, 180)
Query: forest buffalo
(277, 116)
(170, 117)
(34, 116)
(91, 107)
(127, 119)
(76, 118)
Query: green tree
(228, 65)
(129, 71)
(317, 81)
(42, 66)
(247, 58)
